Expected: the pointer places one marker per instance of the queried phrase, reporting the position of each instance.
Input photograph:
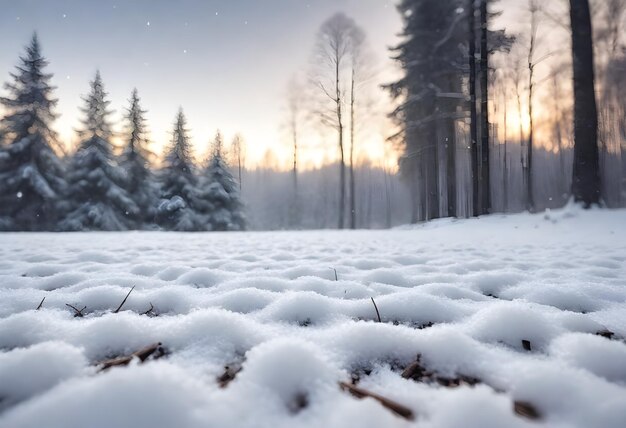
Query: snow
(270, 303)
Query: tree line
(455, 159)
(96, 188)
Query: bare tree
(238, 153)
(295, 111)
(533, 8)
(332, 51)
(359, 60)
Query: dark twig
(376, 307)
(142, 355)
(149, 311)
(526, 410)
(336, 277)
(230, 372)
(123, 301)
(395, 407)
(40, 304)
(78, 312)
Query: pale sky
(226, 62)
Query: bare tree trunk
(342, 165)
(505, 168)
(296, 203)
(352, 131)
(558, 131)
(484, 110)
(451, 166)
(476, 202)
(586, 177)
(520, 118)
(530, 201)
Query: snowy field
(505, 313)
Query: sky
(226, 62)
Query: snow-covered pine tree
(31, 174)
(135, 162)
(96, 198)
(224, 209)
(179, 193)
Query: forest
(483, 120)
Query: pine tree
(178, 207)
(96, 198)
(431, 91)
(224, 209)
(138, 180)
(31, 174)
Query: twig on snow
(395, 407)
(78, 313)
(123, 301)
(142, 354)
(526, 410)
(149, 311)
(376, 307)
(40, 304)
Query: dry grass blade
(123, 301)
(40, 304)
(395, 407)
(376, 307)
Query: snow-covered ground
(462, 294)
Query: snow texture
(270, 303)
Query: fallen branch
(78, 313)
(142, 355)
(40, 304)
(376, 307)
(123, 301)
(395, 407)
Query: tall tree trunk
(476, 202)
(586, 177)
(505, 169)
(295, 215)
(342, 165)
(431, 165)
(451, 166)
(530, 200)
(484, 110)
(352, 130)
